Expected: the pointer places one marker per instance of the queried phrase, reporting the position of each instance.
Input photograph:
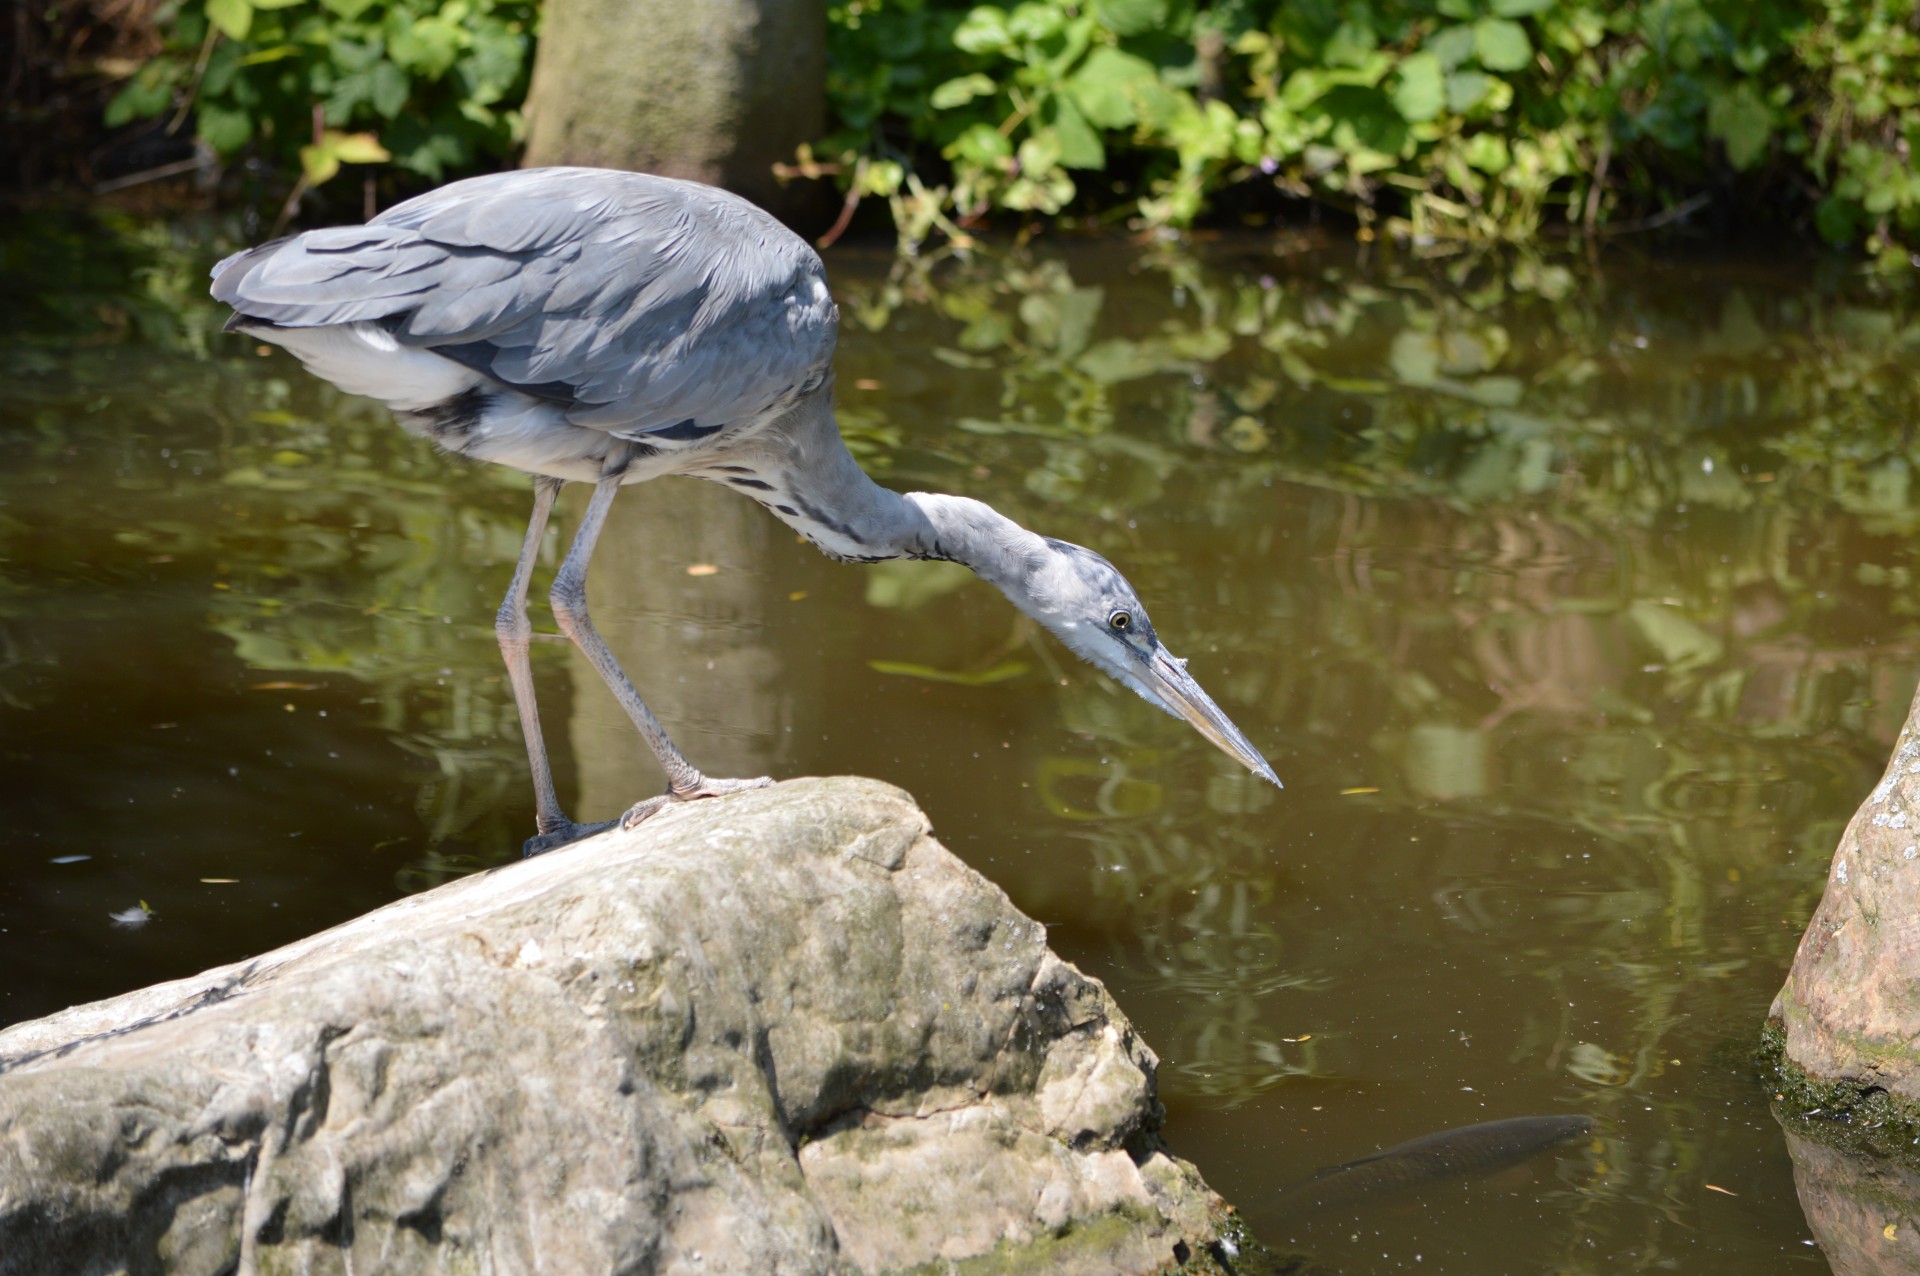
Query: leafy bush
(1864, 60)
(1463, 118)
(1470, 119)
(434, 87)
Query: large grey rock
(782, 1032)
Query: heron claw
(640, 812)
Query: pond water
(1571, 597)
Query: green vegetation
(435, 88)
(1475, 119)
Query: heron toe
(706, 787)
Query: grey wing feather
(641, 302)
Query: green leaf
(1521, 8)
(348, 9)
(1349, 45)
(234, 18)
(218, 81)
(1080, 145)
(1039, 154)
(388, 89)
(1834, 218)
(959, 92)
(354, 55)
(1131, 17)
(1422, 88)
(1466, 89)
(1488, 152)
(1035, 21)
(429, 46)
(1501, 45)
(1108, 86)
(984, 30)
(1743, 121)
(1452, 46)
(225, 128)
(981, 145)
(147, 94)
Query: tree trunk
(718, 91)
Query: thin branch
(1685, 208)
(153, 174)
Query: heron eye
(1120, 622)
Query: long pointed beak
(1167, 675)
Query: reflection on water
(1572, 600)
(1861, 1210)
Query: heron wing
(643, 304)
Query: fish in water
(1444, 1154)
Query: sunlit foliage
(435, 88)
(1482, 119)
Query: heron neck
(822, 492)
(972, 533)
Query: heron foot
(640, 812)
(566, 834)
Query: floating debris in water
(133, 918)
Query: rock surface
(1850, 1009)
(784, 1032)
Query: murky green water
(1573, 600)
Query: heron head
(1084, 599)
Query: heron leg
(569, 598)
(515, 631)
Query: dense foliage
(434, 87)
(1485, 119)
(1467, 119)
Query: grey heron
(609, 327)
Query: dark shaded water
(1572, 600)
